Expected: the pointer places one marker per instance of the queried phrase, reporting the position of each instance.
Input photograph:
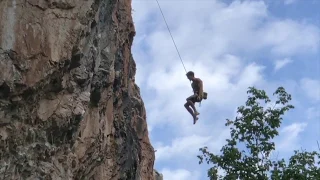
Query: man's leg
(193, 107)
(191, 100)
(194, 113)
(191, 103)
(186, 105)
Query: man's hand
(200, 96)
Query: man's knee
(190, 102)
(190, 98)
(187, 104)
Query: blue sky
(230, 45)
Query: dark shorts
(193, 98)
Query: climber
(197, 87)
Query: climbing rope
(173, 41)
(171, 36)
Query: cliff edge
(69, 105)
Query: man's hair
(190, 73)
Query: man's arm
(201, 87)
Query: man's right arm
(201, 87)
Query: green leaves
(254, 128)
(302, 165)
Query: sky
(230, 45)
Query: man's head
(190, 75)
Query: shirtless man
(197, 87)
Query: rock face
(69, 105)
(157, 175)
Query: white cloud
(239, 26)
(223, 82)
(181, 147)
(214, 39)
(287, 2)
(188, 146)
(278, 64)
(289, 137)
(313, 113)
(218, 28)
(180, 174)
(288, 37)
(311, 88)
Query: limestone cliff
(69, 105)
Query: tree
(255, 127)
